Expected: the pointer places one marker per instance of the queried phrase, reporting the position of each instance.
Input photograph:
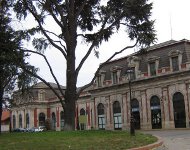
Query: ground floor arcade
(161, 107)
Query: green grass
(75, 140)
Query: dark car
(19, 130)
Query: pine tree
(93, 21)
(11, 56)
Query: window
(175, 60)
(27, 120)
(117, 115)
(175, 63)
(101, 116)
(20, 121)
(41, 95)
(133, 76)
(82, 112)
(62, 119)
(99, 81)
(115, 78)
(152, 66)
(41, 119)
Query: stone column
(146, 121)
(167, 109)
(124, 112)
(108, 110)
(188, 103)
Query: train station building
(153, 85)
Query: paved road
(173, 139)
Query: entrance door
(41, 119)
(156, 118)
(53, 121)
(136, 113)
(179, 110)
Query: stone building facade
(37, 107)
(160, 93)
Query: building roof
(5, 115)
(167, 43)
(43, 85)
(161, 51)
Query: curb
(150, 146)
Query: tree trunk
(70, 93)
(70, 99)
(1, 101)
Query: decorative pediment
(115, 68)
(132, 61)
(173, 53)
(101, 72)
(153, 58)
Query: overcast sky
(172, 22)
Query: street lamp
(130, 72)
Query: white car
(33, 129)
(41, 128)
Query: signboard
(83, 119)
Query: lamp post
(132, 128)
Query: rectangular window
(175, 63)
(152, 68)
(133, 76)
(115, 78)
(117, 121)
(99, 81)
(101, 121)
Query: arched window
(101, 116)
(179, 110)
(14, 122)
(41, 119)
(20, 121)
(53, 121)
(156, 117)
(62, 120)
(82, 112)
(136, 112)
(27, 120)
(117, 115)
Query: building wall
(164, 85)
(164, 93)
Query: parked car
(34, 129)
(37, 129)
(42, 128)
(27, 129)
(19, 130)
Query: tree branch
(44, 32)
(90, 49)
(58, 38)
(47, 83)
(50, 68)
(80, 9)
(102, 64)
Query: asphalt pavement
(173, 139)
